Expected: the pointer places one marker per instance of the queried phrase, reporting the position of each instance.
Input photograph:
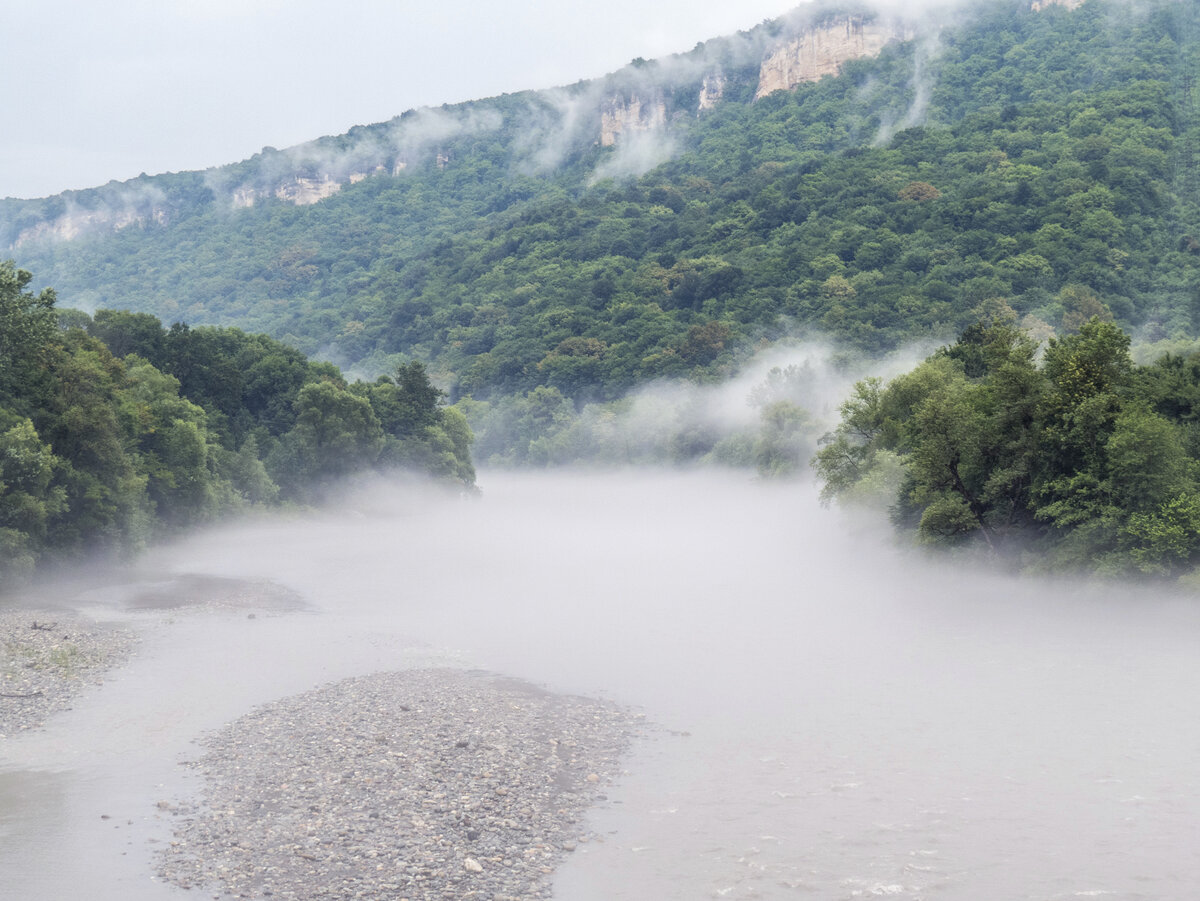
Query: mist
(829, 712)
(734, 422)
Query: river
(836, 718)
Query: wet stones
(416, 784)
(47, 658)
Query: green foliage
(99, 452)
(1052, 166)
(1084, 456)
(783, 445)
(1047, 175)
(336, 434)
(26, 323)
(28, 498)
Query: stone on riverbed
(47, 658)
(413, 784)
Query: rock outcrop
(712, 90)
(299, 190)
(356, 177)
(305, 191)
(621, 116)
(820, 50)
(1039, 5)
(244, 197)
(78, 222)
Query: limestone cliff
(712, 90)
(299, 190)
(1039, 5)
(304, 191)
(77, 222)
(244, 197)
(820, 50)
(356, 177)
(624, 116)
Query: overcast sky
(96, 90)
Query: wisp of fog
(828, 714)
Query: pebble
(47, 658)
(417, 784)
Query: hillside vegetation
(1016, 178)
(1045, 158)
(114, 429)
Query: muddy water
(837, 720)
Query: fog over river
(834, 717)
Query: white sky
(95, 90)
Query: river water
(835, 718)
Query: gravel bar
(417, 784)
(47, 658)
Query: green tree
(28, 498)
(27, 323)
(407, 404)
(174, 448)
(124, 332)
(336, 434)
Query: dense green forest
(1046, 158)
(1019, 178)
(1075, 459)
(114, 429)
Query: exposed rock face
(356, 177)
(619, 116)
(1039, 5)
(300, 191)
(305, 191)
(711, 91)
(78, 222)
(244, 197)
(821, 50)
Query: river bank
(424, 782)
(47, 658)
(435, 783)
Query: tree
(407, 404)
(124, 333)
(173, 444)
(947, 438)
(27, 323)
(783, 442)
(107, 505)
(849, 451)
(28, 498)
(336, 434)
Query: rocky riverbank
(47, 658)
(419, 784)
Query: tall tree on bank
(99, 453)
(1069, 457)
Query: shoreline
(47, 657)
(427, 783)
(411, 784)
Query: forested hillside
(114, 429)
(1046, 158)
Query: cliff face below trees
(1039, 5)
(75, 223)
(821, 50)
(621, 117)
(300, 191)
(646, 98)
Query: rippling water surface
(834, 719)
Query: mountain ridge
(801, 46)
(1040, 159)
